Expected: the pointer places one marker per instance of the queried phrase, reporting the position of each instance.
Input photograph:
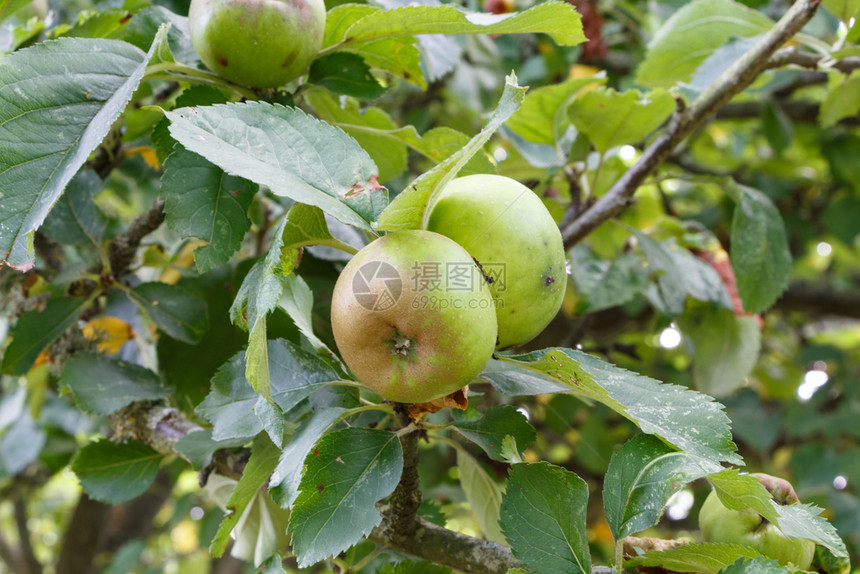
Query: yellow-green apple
(512, 235)
(413, 317)
(257, 43)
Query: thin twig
(731, 82)
(810, 60)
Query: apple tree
(180, 196)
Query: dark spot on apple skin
(548, 281)
(222, 61)
(288, 61)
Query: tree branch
(28, 557)
(82, 537)
(9, 556)
(446, 547)
(793, 56)
(797, 111)
(731, 82)
(820, 299)
(406, 498)
(123, 248)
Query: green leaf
(760, 253)
(191, 379)
(347, 473)
(498, 422)
(107, 23)
(701, 281)
(740, 491)
(843, 101)
(261, 288)
(680, 274)
(607, 283)
(261, 529)
(641, 479)
(725, 348)
(103, 385)
(842, 217)
(257, 297)
(708, 558)
(9, 7)
(559, 20)
(114, 473)
(611, 118)
(295, 375)
(126, 558)
(81, 84)
(20, 445)
(286, 150)
(285, 481)
(693, 422)
(199, 446)
(804, 521)
(202, 201)
(144, 26)
(229, 406)
(178, 313)
(543, 116)
(843, 9)
(411, 208)
(398, 55)
(37, 329)
(371, 127)
(74, 219)
(264, 457)
(543, 518)
(483, 494)
(692, 34)
(347, 74)
(670, 288)
(272, 418)
(374, 129)
(274, 565)
(298, 301)
(757, 565)
(718, 62)
(306, 225)
(777, 127)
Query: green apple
(257, 43)
(748, 528)
(512, 235)
(413, 317)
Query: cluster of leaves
(223, 316)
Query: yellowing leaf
(183, 260)
(147, 153)
(109, 333)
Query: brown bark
(82, 536)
